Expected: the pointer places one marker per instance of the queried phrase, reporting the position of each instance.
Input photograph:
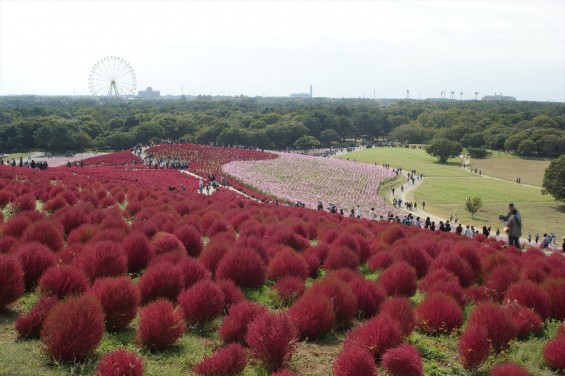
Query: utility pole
(452, 95)
(476, 94)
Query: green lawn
(509, 167)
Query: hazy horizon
(277, 48)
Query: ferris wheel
(112, 77)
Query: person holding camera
(514, 228)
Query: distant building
(149, 94)
(300, 95)
(500, 97)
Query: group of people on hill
(30, 163)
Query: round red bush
(234, 326)
(399, 309)
(191, 239)
(476, 294)
(499, 280)
(554, 353)
(453, 263)
(474, 347)
(289, 288)
(11, 280)
(119, 298)
(453, 289)
(555, 289)
(370, 296)
(354, 361)
(232, 293)
(213, 253)
(404, 360)
(46, 232)
(377, 335)
(525, 319)
(341, 257)
(138, 252)
(73, 328)
(437, 276)
(272, 338)
(399, 279)
(192, 271)
(163, 242)
(283, 372)
(287, 262)
(120, 363)
(497, 321)
(313, 316)
(160, 325)
(381, 260)
(7, 244)
(415, 257)
(102, 259)
(63, 281)
(201, 303)
(16, 226)
(438, 313)
(30, 324)
(529, 295)
(508, 369)
(35, 259)
(341, 295)
(228, 360)
(244, 267)
(162, 280)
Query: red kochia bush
(234, 326)
(313, 316)
(192, 271)
(354, 361)
(283, 372)
(162, 280)
(555, 289)
(289, 288)
(35, 259)
(160, 325)
(530, 295)
(46, 232)
(508, 369)
(120, 363)
(370, 296)
(102, 259)
(400, 310)
(138, 251)
(191, 239)
(497, 321)
(7, 243)
(456, 265)
(11, 280)
(499, 279)
(119, 298)
(525, 319)
(377, 335)
(404, 360)
(554, 353)
(232, 293)
(201, 303)
(453, 289)
(30, 324)
(381, 260)
(16, 226)
(341, 295)
(287, 262)
(226, 361)
(440, 276)
(272, 338)
(474, 347)
(244, 267)
(438, 313)
(63, 281)
(415, 257)
(341, 257)
(163, 242)
(399, 279)
(73, 328)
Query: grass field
(509, 167)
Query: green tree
(444, 149)
(554, 179)
(306, 142)
(328, 136)
(473, 205)
(527, 148)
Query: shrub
(499, 279)
(11, 280)
(391, 233)
(438, 313)
(341, 295)
(476, 294)
(103, 259)
(30, 324)
(163, 242)
(120, 363)
(138, 251)
(63, 281)
(201, 303)
(82, 234)
(226, 361)
(370, 296)
(399, 279)
(341, 257)
(456, 265)
(160, 325)
(283, 372)
(24, 202)
(525, 320)
(162, 280)
(416, 258)
(192, 271)
(119, 298)
(7, 244)
(289, 288)
(272, 338)
(232, 293)
(46, 232)
(73, 328)
(400, 310)
(508, 369)
(191, 239)
(437, 276)
(313, 264)
(497, 321)
(453, 289)
(346, 275)
(403, 360)
(287, 263)
(554, 353)
(35, 259)
(555, 289)
(474, 347)
(234, 326)
(354, 361)
(244, 267)
(377, 335)
(16, 226)
(313, 316)
(530, 295)
(381, 260)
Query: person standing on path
(514, 229)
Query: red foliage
(24, 202)
(63, 281)
(416, 258)
(119, 298)
(347, 275)
(73, 328)
(437, 276)
(404, 360)
(468, 251)
(283, 372)
(83, 234)
(30, 324)
(272, 338)
(120, 363)
(377, 335)
(226, 361)
(341, 257)
(499, 280)
(202, 302)
(391, 233)
(313, 316)
(234, 326)
(508, 369)
(160, 325)
(35, 259)
(438, 313)
(525, 319)
(456, 265)
(453, 289)
(163, 242)
(138, 251)
(212, 255)
(341, 295)
(555, 289)
(370, 296)
(313, 264)
(7, 244)
(162, 280)
(72, 217)
(16, 226)
(400, 310)
(354, 361)
(474, 347)
(399, 279)
(244, 267)
(191, 239)
(103, 259)
(287, 262)
(46, 232)
(192, 271)
(289, 288)
(497, 321)
(232, 293)
(381, 260)
(529, 295)
(554, 353)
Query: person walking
(514, 228)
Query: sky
(350, 49)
